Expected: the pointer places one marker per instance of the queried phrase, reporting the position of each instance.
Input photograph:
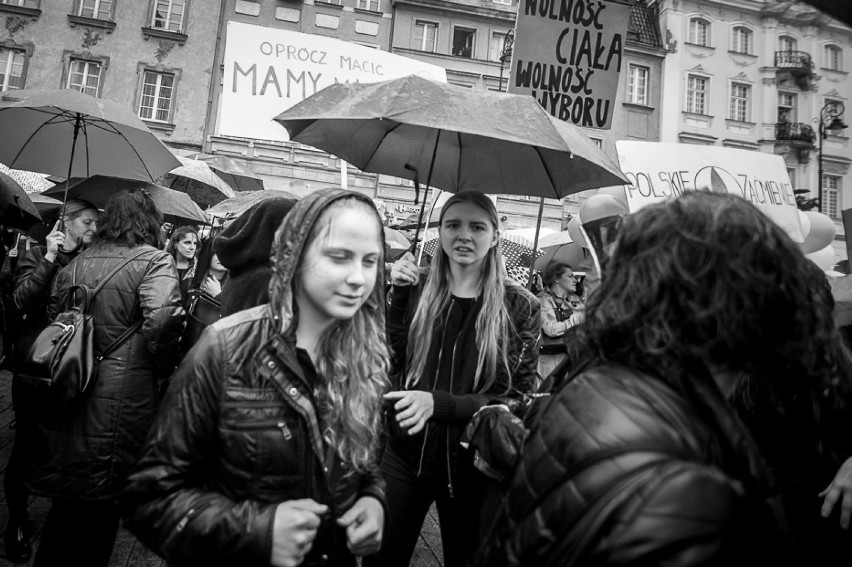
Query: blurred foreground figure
(266, 450)
(637, 459)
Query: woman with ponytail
(463, 338)
(266, 450)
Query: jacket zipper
(452, 373)
(434, 384)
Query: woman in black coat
(81, 456)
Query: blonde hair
(493, 324)
(352, 359)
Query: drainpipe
(206, 146)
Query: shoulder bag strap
(114, 272)
(121, 338)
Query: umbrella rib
(108, 126)
(88, 160)
(547, 171)
(48, 122)
(381, 141)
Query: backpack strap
(110, 275)
(120, 339)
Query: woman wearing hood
(266, 449)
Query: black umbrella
(18, 210)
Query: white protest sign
(659, 171)
(567, 55)
(268, 70)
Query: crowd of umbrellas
(456, 139)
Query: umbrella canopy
(16, 208)
(195, 178)
(560, 248)
(235, 206)
(71, 134)
(30, 181)
(48, 207)
(235, 173)
(175, 206)
(459, 139)
(396, 241)
(517, 252)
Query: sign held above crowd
(567, 54)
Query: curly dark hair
(131, 218)
(707, 280)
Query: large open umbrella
(195, 178)
(72, 134)
(518, 253)
(30, 181)
(175, 206)
(235, 173)
(235, 206)
(561, 248)
(16, 208)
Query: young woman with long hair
(266, 450)
(463, 338)
(183, 247)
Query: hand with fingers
(211, 285)
(413, 409)
(293, 531)
(55, 240)
(364, 523)
(840, 490)
(404, 271)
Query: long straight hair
(493, 324)
(352, 356)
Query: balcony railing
(794, 61)
(794, 132)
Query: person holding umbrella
(33, 279)
(462, 337)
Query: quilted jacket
(88, 451)
(619, 470)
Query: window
(831, 196)
(786, 107)
(21, 3)
(740, 102)
(425, 36)
(156, 101)
(637, 85)
(84, 76)
(498, 40)
(168, 15)
(786, 43)
(696, 94)
(11, 69)
(95, 9)
(699, 32)
(741, 40)
(372, 5)
(504, 2)
(833, 58)
(463, 42)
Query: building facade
(155, 55)
(762, 75)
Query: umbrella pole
(417, 189)
(535, 242)
(70, 165)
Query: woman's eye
(370, 261)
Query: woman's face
(83, 226)
(467, 234)
(567, 282)
(340, 266)
(186, 246)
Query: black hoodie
(243, 247)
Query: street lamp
(829, 122)
(506, 53)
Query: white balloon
(825, 258)
(805, 222)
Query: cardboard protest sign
(659, 171)
(567, 54)
(268, 70)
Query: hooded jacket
(243, 247)
(239, 433)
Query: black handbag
(202, 310)
(61, 363)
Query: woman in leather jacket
(265, 451)
(463, 339)
(34, 276)
(636, 458)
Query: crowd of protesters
(287, 395)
